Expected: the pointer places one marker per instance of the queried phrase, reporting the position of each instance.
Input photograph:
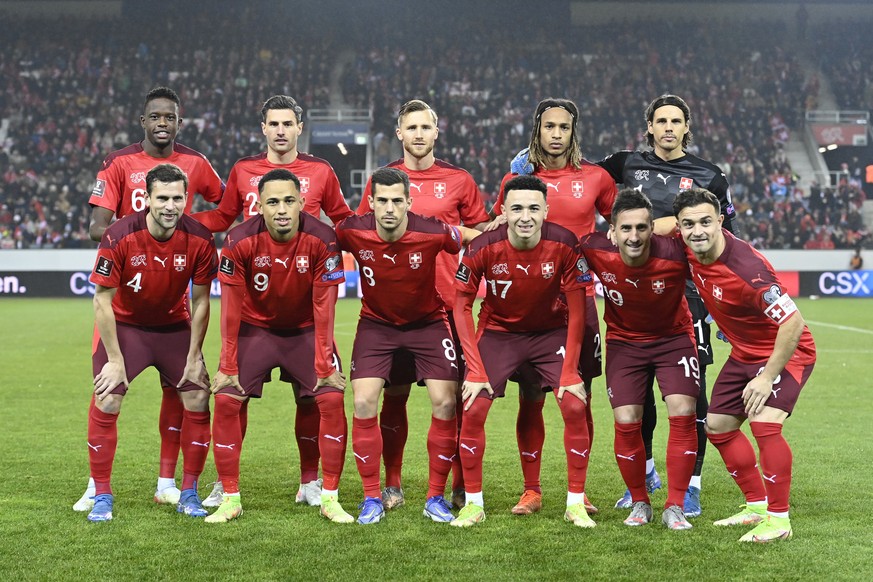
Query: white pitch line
(841, 327)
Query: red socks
(332, 436)
(630, 454)
(575, 442)
(472, 443)
(530, 432)
(102, 442)
(457, 468)
(739, 458)
(442, 440)
(195, 446)
(394, 425)
(226, 448)
(776, 459)
(170, 428)
(367, 447)
(306, 432)
(681, 457)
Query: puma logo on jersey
(284, 262)
(517, 266)
(702, 280)
(632, 282)
(663, 178)
(163, 261)
(391, 258)
(416, 186)
(550, 185)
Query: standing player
(401, 310)
(144, 264)
(578, 189)
(661, 174)
(120, 191)
(279, 273)
(535, 294)
(449, 194)
(648, 334)
(772, 356)
(282, 124)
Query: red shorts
(727, 394)
(541, 354)
(427, 351)
(165, 348)
(631, 366)
(261, 349)
(403, 368)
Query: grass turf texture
(45, 382)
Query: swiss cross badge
(547, 269)
(717, 292)
(658, 286)
(439, 189)
(304, 185)
(686, 184)
(577, 187)
(414, 260)
(179, 261)
(302, 262)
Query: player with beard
(282, 124)
(119, 191)
(448, 193)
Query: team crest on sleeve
(772, 294)
(332, 262)
(463, 274)
(780, 309)
(686, 184)
(228, 267)
(103, 266)
(180, 261)
(439, 189)
(658, 286)
(500, 269)
(99, 188)
(548, 269)
(414, 260)
(581, 265)
(262, 262)
(302, 262)
(138, 260)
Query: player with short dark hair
(533, 314)
(120, 190)
(661, 173)
(401, 310)
(319, 187)
(279, 274)
(578, 191)
(448, 193)
(144, 265)
(772, 356)
(648, 335)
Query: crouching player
(144, 265)
(535, 286)
(279, 273)
(772, 356)
(648, 335)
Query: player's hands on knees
(195, 372)
(471, 390)
(756, 393)
(111, 375)
(335, 380)
(500, 219)
(577, 390)
(223, 380)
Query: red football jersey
(643, 303)
(523, 287)
(398, 279)
(319, 187)
(747, 301)
(279, 277)
(152, 276)
(447, 193)
(121, 185)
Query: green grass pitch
(44, 382)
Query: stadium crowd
(70, 99)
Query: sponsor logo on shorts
(332, 262)
(138, 260)
(228, 267)
(463, 274)
(103, 266)
(99, 188)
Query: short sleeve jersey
(399, 278)
(573, 196)
(524, 288)
(662, 180)
(644, 303)
(319, 187)
(447, 193)
(121, 186)
(747, 301)
(279, 276)
(151, 276)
